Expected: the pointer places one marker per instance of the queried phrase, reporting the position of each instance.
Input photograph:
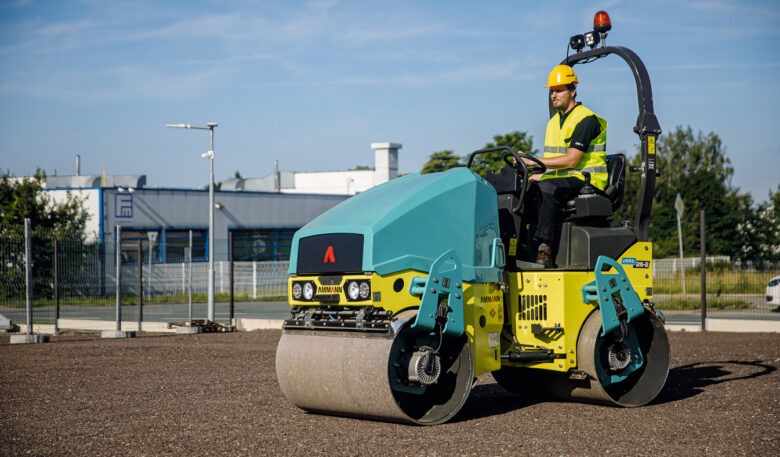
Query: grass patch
(682, 304)
(718, 282)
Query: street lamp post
(210, 155)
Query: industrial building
(261, 214)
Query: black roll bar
(647, 127)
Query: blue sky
(313, 83)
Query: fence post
(102, 266)
(28, 337)
(254, 279)
(189, 282)
(56, 287)
(152, 238)
(703, 237)
(28, 275)
(140, 284)
(221, 277)
(118, 333)
(231, 308)
(118, 254)
(189, 329)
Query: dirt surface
(216, 394)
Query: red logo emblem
(330, 256)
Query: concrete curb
(729, 325)
(29, 339)
(248, 325)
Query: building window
(177, 240)
(168, 246)
(262, 244)
(130, 239)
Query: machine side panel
(546, 308)
(484, 316)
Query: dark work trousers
(548, 197)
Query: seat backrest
(616, 167)
(600, 204)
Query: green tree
(695, 166)
(761, 233)
(441, 161)
(22, 199)
(518, 141)
(446, 159)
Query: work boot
(544, 256)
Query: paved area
(216, 394)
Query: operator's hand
(536, 178)
(514, 160)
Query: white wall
(332, 182)
(352, 181)
(91, 204)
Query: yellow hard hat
(561, 75)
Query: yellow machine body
(483, 307)
(546, 310)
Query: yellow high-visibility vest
(594, 159)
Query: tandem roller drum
(601, 357)
(396, 378)
(601, 362)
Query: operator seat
(592, 206)
(585, 233)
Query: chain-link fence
(74, 279)
(724, 288)
(729, 290)
(78, 280)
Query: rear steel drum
(598, 358)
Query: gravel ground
(216, 394)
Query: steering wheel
(537, 168)
(518, 165)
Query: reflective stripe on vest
(564, 149)
(564, 172)
(594, 159)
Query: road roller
(403, 295)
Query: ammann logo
(329, 289)
(490, 299)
